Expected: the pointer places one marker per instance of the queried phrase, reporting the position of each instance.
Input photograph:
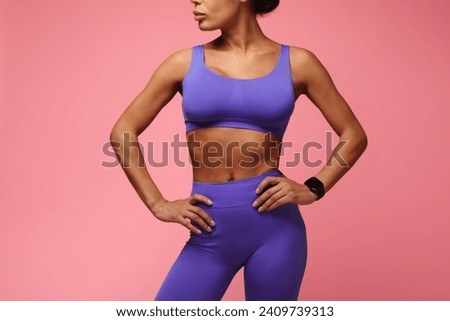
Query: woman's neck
(242, 37)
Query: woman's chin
(205, 27)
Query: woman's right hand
(184, 211)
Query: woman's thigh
(276, 268)
(196, 275)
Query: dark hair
(262, 7)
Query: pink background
(74, 229)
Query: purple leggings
(271, 246)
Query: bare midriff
(222, 154)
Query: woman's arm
(312, 79)
(161, 88)
(318, 86)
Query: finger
(267, 181)
(281, 201)
(199, 211)
(265, 195)
(199, 198)
(186, 223)
(271, 200)
(195, 217)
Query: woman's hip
(235, 216)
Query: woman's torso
(236, 111)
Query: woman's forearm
(352, 144)
(126, 146)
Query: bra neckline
(202, 48)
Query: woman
(238, 92)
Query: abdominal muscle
(221, 154)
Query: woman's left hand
(277, 191)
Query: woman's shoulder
(174, 66)
(303, 59)
(301, 54)
(180, 56)
(306, 66)
(177, 62)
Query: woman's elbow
(119, 132)
(362, 140)
(358, 137)
(115, 133)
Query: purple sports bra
(264, 104)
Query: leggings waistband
(233, 193)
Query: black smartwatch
(315, 186)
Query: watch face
(315, 186)
(314, 190)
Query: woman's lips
(198, 15)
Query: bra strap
(284, 64)
(197, 57)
